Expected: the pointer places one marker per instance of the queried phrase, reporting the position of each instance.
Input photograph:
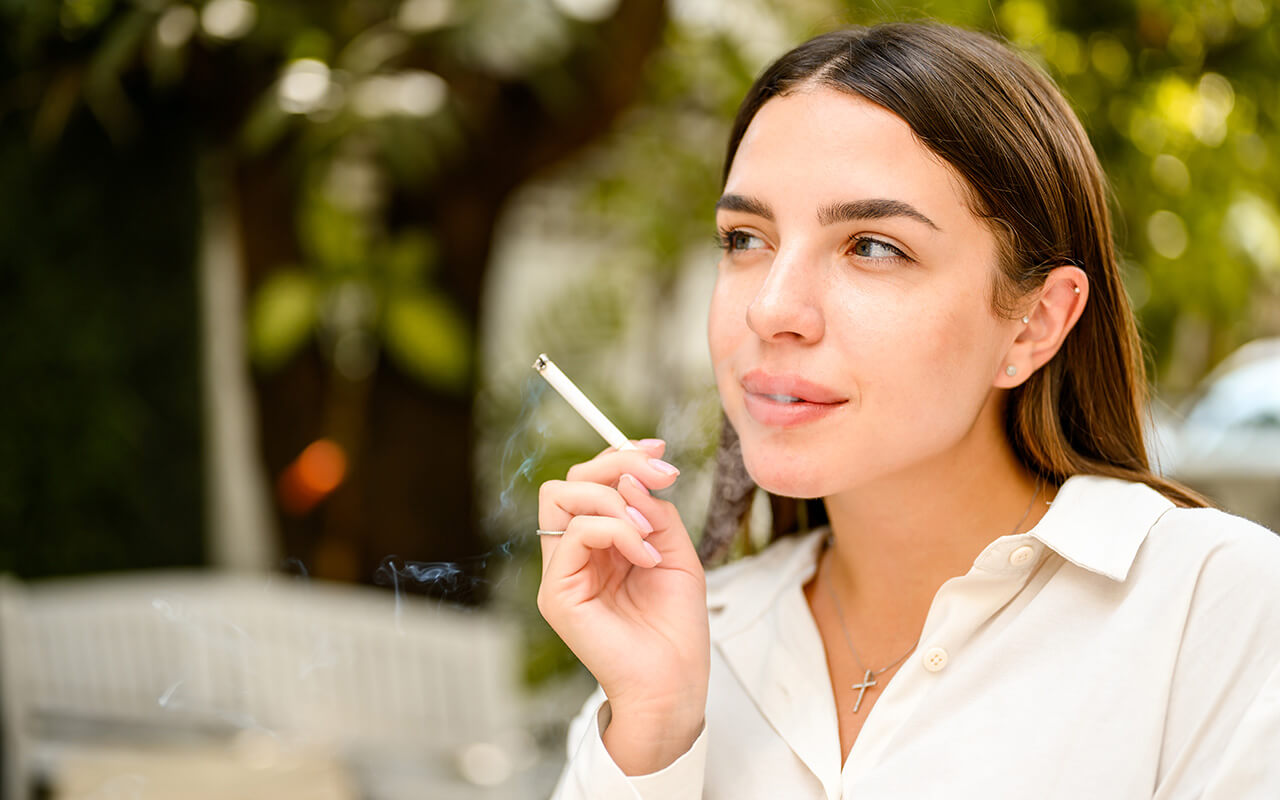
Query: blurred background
(272, 276)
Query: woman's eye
(874, 248)
(739, 240)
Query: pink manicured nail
(646, 443)
(663, 467)
(639, 520)
(657, 557)
(635, 482)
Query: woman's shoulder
(1227, 549)
(1111, 508)
(1218, 526)
(1217, 570)
(1212, 577)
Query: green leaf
(282, 317)
(82, 15)
(119, 48)
(428, 338)
(408, 258)
(311, 43)
(335, 240)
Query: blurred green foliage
(335, 84)
(100, 451)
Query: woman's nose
(787, 303)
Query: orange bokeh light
(314, 474)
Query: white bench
(413, 696)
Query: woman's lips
(757, 381)
(768, 411)
(786, 401)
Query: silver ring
(541, 532)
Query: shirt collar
(754, 583)
(1099, 523)
(1095, 522)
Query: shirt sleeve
(1250, 766)
(591, 773)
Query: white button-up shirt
(1123, 648)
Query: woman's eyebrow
(872, 208)
(747, 205)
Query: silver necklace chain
(869, 677)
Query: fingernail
(650, 442)
(636, 482)
(653, 551)
(639, 520)
(663, 467)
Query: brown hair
(1032, 175)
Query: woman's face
(856, 280)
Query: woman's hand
(624, 589)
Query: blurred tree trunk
(240, 532)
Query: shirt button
(1022, 555)
(935, 658)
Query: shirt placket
(959, 608)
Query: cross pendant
(868, 681)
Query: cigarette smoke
(691, 426)
(522, 451)
(519, 447)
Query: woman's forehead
(827, 146)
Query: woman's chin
(779, 480)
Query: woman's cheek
(952, 383)
(725, 321)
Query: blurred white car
(1225, 439)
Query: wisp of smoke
(690, 425)
(519, 447)
(294, 566)
(521, 454)
(441, 578)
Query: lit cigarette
(548, 370)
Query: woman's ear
(1056, 308)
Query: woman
(918, 319)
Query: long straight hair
(1032, 175)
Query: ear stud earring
(1025, 320)
(1011, 370)
(1075, 289)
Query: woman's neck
(900, 538)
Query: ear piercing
(1011, 370)
(1075, 289)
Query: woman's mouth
(785, 411)
(786, 401)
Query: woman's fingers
(654, 447)
(670, 538)
(589, 490)
(586, 534)
(607, 467)
(659, 513)
(559, 502)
